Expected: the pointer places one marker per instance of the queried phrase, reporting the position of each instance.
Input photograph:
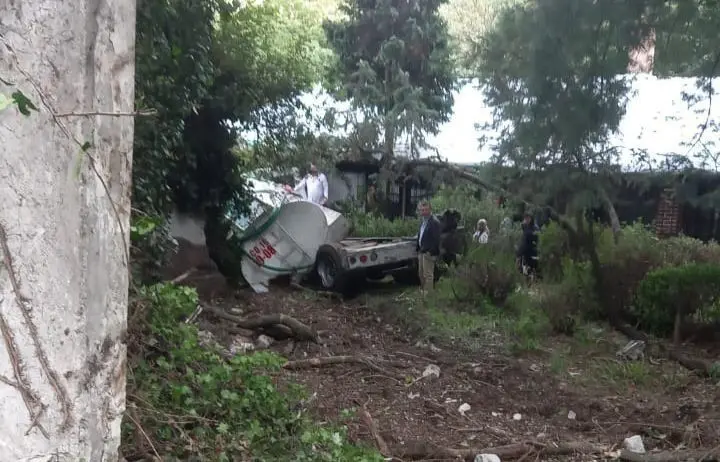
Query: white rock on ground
(241, 345)
(431, 371)
(487, 458)
(464, 407)
(263, 342)
(634, 444)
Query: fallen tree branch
(375, 432)
(300, 331)
(321, 293)
(423, 450)
(700, 367)
(182, 277)
(332, 360)
(697, 455)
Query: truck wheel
(330, 271)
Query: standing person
(313, 187)
(428, 245)
(527, 250)
(481, 232)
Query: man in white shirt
(314, 187)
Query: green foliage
(690, 288)
(483, 279)
(364, 224)
(551, 69)
(468, 22)
(569, 289)
(570, 299)
(394, 63)
(209, 69)
(174, 70)
(464, 200)
(17, 99)
(191, 401)
(553, 247)
(151, 247)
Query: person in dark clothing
(527, 254)
(428, 246)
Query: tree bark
(612, 213)
(64, 224)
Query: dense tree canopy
(212, 69)
(468, 22)
(395, 65)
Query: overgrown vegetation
(192, 402)
(226, 80)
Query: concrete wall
(65, 227)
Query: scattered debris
(572, 415)
(633, 351)
(372, 426)
(241, 345)
(431, 371)
(634, 444)
(299, 330)
(517, 416)
(332, 360)
(486, 458)
(464, 407)
(263, 342)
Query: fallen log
(375, 432)
(300, 331)
(699, 366)
(332, 360)
(423, 450)
(687, 455)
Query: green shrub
(364, 224)
(151, 247)
(691, 288)
(553, 247)
(523, 321)
(683, 249)
(472, 209)
(571, 299)
(484, 278)
(190, 401)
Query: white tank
(284, 233)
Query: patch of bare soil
(511, 400)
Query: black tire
(330, 272)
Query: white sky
(657, 121)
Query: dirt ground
(565, 392)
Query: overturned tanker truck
(283, 234)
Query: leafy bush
(690, 288)
(485, 277)
(572, 298)
(364, 224)
(151, 247)
(471, 208)
(190, 401)
(553, 247)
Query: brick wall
(668, 217)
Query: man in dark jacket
(527, 253)
(428, 245)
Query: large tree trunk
(64, 223)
